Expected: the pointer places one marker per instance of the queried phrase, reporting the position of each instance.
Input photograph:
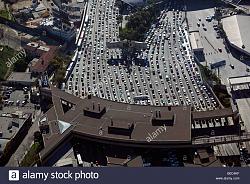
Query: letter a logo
(13, 175)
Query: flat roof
(203, 154)
(239, 80)
(10, 126)
(133, 162)
(110, 122)
(124, 116)
(195, 40)
(21, 77)
(237, 30)
(136, 162)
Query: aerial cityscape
(124, 83)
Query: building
(21, 79)
(71, 12)
(120, 126)
(196, 45)
(42, 65)
(237, 28)
(55, 27)
(195, 41)
(13, 129)
(43, 55)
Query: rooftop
(115, 122)
(225, 150)
(121, 162)
(105, 121)
(9, 126)
(42, 64)
(237, 30)
(239, 80)
(195, 40)
(21, 77)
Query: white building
(237, 29)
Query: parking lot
(16, 100)
(172, 77)
(214, 48)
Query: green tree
(59, 65)
(140, 21)
(21, 65)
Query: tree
(38, 138)
(140, 22)
(59, 64)
(21, 65)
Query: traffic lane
(154, 67)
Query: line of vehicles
(172, 64)
(171, 78)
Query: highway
(171, 78)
